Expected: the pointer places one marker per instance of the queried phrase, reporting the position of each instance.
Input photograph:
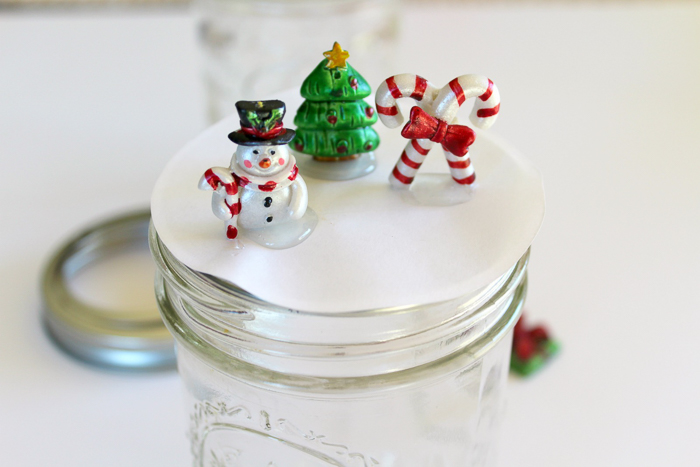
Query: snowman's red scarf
(230, 180)
(274, 182)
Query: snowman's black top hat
(261, 124)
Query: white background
(604, 99)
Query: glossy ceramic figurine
(334, 123)
(434, 120)
(262, 187)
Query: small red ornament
(299, 146)
(538, 334)
(369, 111)
(353, 83)
(332, 119)
(532, 347)
(341, 149)
(368, 146)
(525, 349)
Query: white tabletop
(604, 99)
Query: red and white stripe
(410, 161)
(456, 92)
(461, 168)
(226, 202)
(444, 105)
(423, 92)
(483, 115)
(398, 86)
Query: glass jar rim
(221, 290)
(282, 379)
(365, 342)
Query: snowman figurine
(262, 186)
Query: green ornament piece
(334, 122)
(527, 367)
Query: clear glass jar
(419, 386)
(253, 48)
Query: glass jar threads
(270, 386)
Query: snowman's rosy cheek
(247, 163)
(281, 161)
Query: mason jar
(269, 386)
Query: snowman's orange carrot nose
(265, 163)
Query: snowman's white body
(252, 170)
(262, 209)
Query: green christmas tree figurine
(334, 122)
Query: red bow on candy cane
(454, 138)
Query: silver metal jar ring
(136, 340)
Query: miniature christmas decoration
(532, 348)
(262, 186)
(334, 122)
(434, 120)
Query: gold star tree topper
(336, 56)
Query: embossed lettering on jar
(267, 386)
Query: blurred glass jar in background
(253, 48)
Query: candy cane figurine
(438, 124)
(423, 92)
(226, 199)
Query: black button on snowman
(262, 186)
